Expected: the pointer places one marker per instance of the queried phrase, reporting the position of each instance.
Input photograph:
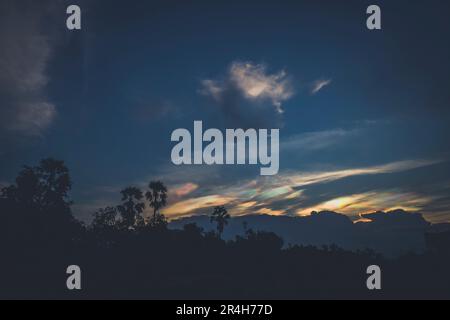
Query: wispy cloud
(372, 201)
(304, 179)
(270, 212)
(175, 176)
(185, 189)
(285, 194)
(189, 206)
(197, 189)
(319, 85)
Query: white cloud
(319, 85)
(254, 82)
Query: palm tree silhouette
(131, 207)
(221, 217)
(156, 196)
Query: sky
(363, 114)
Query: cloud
(319, 85)
(275, 192)
(194, 190)
(174, 175)
(314, 141)
(387, 200)
(213, 89)
(256, 84)
(186, 207)
(285, 193)
(308, 178)
(270, 212)
(248, 89)
(289, 193)
(24, 58)
(184, 189)
(32, 118)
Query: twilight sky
(363, 115)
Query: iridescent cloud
(285, 194)
(371, 201)
(185, 189)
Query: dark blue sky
(366, 113)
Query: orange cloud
(186, 207)
(371, 201)
(185, 189)
(247, 205)
(271, 212)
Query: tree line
(125, 253)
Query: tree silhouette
(131, 207)
(104, 219)
(157, 197)
(36, 210)
(42, 187)
(55, 182)
(157, 221)
(220, 216)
